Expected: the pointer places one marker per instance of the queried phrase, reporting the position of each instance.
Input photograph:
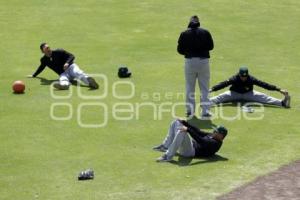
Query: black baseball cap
(194, 22)
(221, 129)
(243, 71)
(194, 19)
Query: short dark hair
(42, 45)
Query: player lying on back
(242, 90)
(62, 63)
(189, 141)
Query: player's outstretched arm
(39, 70)
(222, 85)
(264, 85)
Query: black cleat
(164, 158)
(286, 101)
(92, 83)
(161, 148)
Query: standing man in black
(62, 63)
(195, 44)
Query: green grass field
(41, 157)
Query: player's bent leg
(263, 98)
(187, 149)
(77, 73)
(174, 127)
(176, 144)
(64, 82)
(163, 147)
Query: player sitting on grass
(242, 90)
(201, 144)
(62, 63)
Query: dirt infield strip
(283, 184)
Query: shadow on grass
(201, 123)
(242, 103)
(18, 93)
(45, 81)
(183, 161)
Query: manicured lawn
(41, 157)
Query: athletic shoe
(188, 115)
(286, 102)
(60, 87)
(92, 83)
(160, 148)
(163, 158)
(247, 109)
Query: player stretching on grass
(62, 63)
(242, 90)
(202, 144)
